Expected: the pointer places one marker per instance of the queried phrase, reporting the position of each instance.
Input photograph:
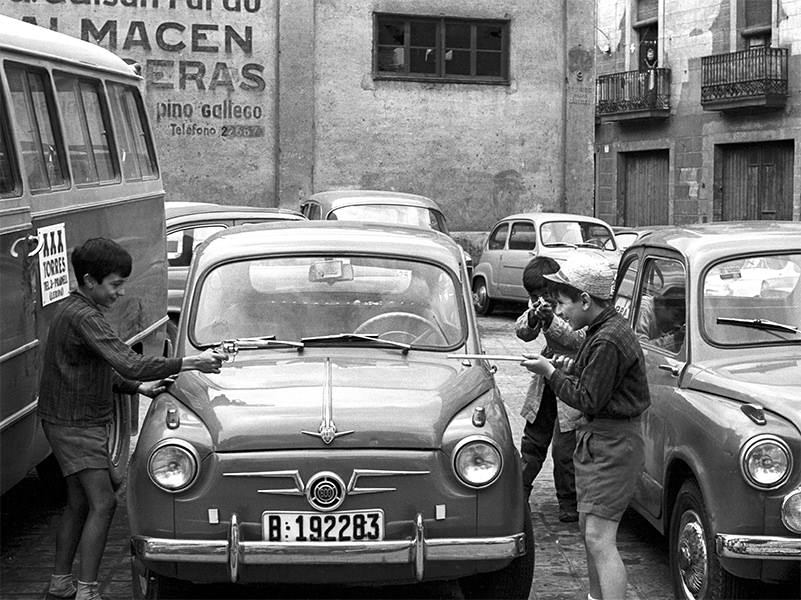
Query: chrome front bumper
(416, 551)
(758, 546)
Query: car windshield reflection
(301, 298)
(745, 300)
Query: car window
(624, 295)
(312, 211)
(497, 239)
(522, 236)
(662, 304)
(181, 244)
(307, 296)
(416, 216)
(741, 295)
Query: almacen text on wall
(198, 57)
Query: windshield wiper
(252, 343)
(355, 337)
(758, 324)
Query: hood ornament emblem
(327, 430)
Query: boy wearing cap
(607, 382)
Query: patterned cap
(586, 273)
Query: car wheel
(51, 478)
(513, 581)
(147, 585)
(694, 567)
(119, 440)
(481, 298)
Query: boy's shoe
(61, 586)
(568, 516)
(88, 591)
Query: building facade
(484, 105)
(698, 111)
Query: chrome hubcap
(692, 556)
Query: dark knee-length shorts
(609, 460)
(78, 448)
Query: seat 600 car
(718, 310)
(340, 434)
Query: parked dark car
(188, 224)
(378, 206)
(352, 437)
(718, 310)
(515, 240)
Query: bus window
(42, 156)
(136, 148)
(87, 129)
(8, 182)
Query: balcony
(633, 95)
(747, 80)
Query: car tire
(513, 581)
(695, 570)
(147, 585)
(481, 298)
(51, 477)
(119, 440)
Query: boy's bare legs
(606, 570)
(71, 525)
(102, 502)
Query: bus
(77, 161)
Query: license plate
(346, 526)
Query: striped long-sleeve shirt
(610, 380)
(85, 362)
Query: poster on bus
(53, 264)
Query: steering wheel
(404, 327)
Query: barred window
(441, 49)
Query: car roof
(334, 199)
(540, 217)
(174, 210)
(329, 237)
(32, 40)
(704, 242)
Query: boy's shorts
(78, 448)
(609, 460)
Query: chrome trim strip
(327, 431)
(758, 546)
(20, 350)
(357, 473)
(147, 331)
(415, 551)
(19, 415)
(293, 474)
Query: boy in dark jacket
(607, 383)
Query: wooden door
(644, 188)
(754, 181)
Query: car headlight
(791, 511)
(477, 461)
(173, 465)
(766, 461)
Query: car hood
(770, 380)
(269, 403)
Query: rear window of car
(415, 216)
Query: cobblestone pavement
(30, 513)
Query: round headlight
(791, 511)
(477, 461)
(173, 465)
(766, 461)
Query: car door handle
(670, 369)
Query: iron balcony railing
(645, 91)
(759, 73)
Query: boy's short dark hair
(100, 257)
(536, 269)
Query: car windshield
(416, 216)
(577, 233)
(292, 298)
(753, 299)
